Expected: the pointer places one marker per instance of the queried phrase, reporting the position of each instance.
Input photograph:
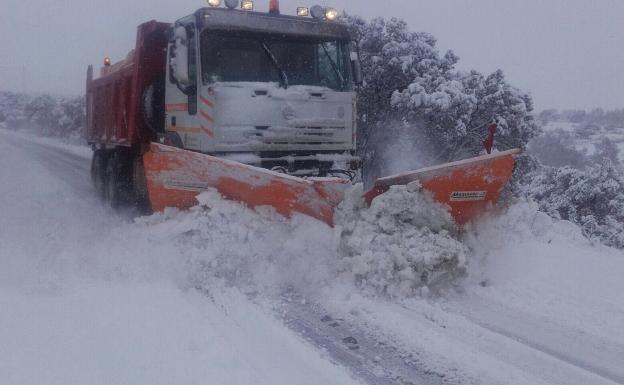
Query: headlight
(303, 11)
(214, 3)
(247, 5)
(331, 13)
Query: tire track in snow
(602, 358)
(373, 360)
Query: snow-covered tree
(606, 150)
(42, 112)
(592, 198)
(73, 117)
(53, 116)
(557, 149)
(547, 116)
(407, 83)
(12, 109)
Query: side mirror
(178, 59)
(356, 69)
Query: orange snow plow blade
(175, 177)
(467, 187)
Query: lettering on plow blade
(466, 196)
(185, 185)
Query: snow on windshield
(232, 57)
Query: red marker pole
(489, 142)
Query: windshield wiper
(334, 66)
(283, 76)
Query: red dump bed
(114, 106)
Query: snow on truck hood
(298, 118)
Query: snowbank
(74, 144)
(540, 304)
(402, 244)
(546, 267)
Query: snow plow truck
(259, 106)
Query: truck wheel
(98, 173)
(118, 182)
(113, 193)
(139, 187)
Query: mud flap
(468, 187)
(176, 176)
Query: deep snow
(170, 294)
(88, 296)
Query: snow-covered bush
(12, 109)
(61, 117)
(593, 198)
(557, 149)
(408, 83)
(606, 150)
(569, 184)
(41, 112)
(45, 114)
(596, 117)
(547, 116)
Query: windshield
(242, 57)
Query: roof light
(274, 7)
(331, 13)
(317, 12)
(231, 4)
(214, 3)
(247, 5)
(303, 11)
(107, 61)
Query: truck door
(182, 89)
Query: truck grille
(299, 135)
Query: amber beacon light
(274, 8)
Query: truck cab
(263, 89)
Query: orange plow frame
(175, 177)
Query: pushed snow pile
(251, 249)
(403, 244)
(399, 246)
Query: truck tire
(98, 173)
(139, 186)
(153, 106)
(118, 180)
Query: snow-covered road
(90, 296)
(86, 298)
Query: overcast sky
(566, 53)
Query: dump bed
(115, 98)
